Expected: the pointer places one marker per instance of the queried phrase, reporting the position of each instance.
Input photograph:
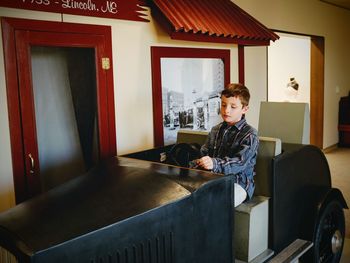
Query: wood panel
(241, 71)
(317, 91)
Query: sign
(118, 9)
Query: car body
(143, 208)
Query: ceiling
(340, 3)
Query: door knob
(32, 163)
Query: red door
(49, 92)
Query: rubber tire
(331, 219)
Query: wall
(132, 82)
(6, 182)
(256, 80)
(312, 17)
(289, 57)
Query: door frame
(105, 101)
(317, 91)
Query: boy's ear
(245, 109)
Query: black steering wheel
(182, 153)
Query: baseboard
(330, 148)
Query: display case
(344, 121)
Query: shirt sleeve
(238, 162)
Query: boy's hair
(237, 90)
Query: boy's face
(232, 109)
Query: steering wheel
(181, 153)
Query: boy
(231, 146)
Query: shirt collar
(239, 125)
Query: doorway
(64, 95)
(296, 74)
(61, 103)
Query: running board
(290, 254)
(293, 252)
(263, 257)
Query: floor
(345, 258)
(339, 165)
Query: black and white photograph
(190, 94)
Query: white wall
(313, 17)
(256, 81)
(7, 198)
(289, 57)
(131, 42)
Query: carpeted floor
(339, 164)
(345, 258)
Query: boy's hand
(206, 163)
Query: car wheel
(329, 237)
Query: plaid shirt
(234, 150)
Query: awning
(210, 21)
